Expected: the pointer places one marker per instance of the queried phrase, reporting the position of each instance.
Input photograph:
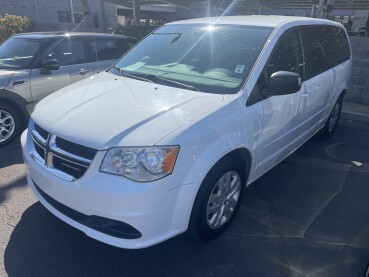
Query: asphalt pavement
(309, 216)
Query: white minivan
(168, 138)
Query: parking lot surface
(309, 216)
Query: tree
(13, 24)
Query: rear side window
(341, 45)
(319, 49)
(110, 49)
(67, 52)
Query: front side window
(319, 48)
(287, 55)
(18, 52)
(67, 52)
(214, 59)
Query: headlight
(142, 164)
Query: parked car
(34, 65)
(168, 139)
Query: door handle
(83, 71)
(18, 83)
(306, 93)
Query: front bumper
(153, 210)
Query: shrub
(13, 24)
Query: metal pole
(312, 11)
(71, 10)
(136, 11)
(260, 9)
(210, 8)
(38, 18)
(320, 9)
(102, 15)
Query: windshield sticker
(134, 66)
(239, 68)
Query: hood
(107, 110)
(5, 76)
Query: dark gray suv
(34, 65)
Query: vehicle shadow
(11, 154)
(307, 217)
(22, 181)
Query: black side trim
(104, 225)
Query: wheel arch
(16, 102)
(240, 153)
(243, 156)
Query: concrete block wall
(359, 89)
(46, 11)
(360, 18)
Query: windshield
(18, 52)
(215, 59)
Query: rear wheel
(332, 122)
(10, 123)
(217, 201)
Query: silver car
(35, 65)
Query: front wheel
(332, 122)
(217, 201)
(10, 124)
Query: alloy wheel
(7, 125)
(334, 117)
(223, 200)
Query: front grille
(76, 149)
(66, 159)
(71, 168)
(44, 134)
(104, 225)
(40, 151)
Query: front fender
(207, 141)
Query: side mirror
(51, 64)
(283, 83)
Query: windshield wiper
(129, 75)
(156, 78)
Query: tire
(332, 121)
(10, 123)
(214, 209)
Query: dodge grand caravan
(167, 139)
(34, 65)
